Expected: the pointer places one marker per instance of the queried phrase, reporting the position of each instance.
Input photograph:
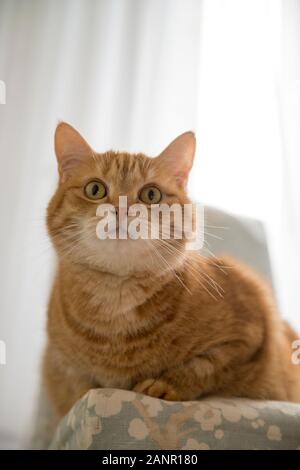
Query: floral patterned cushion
(117, 419)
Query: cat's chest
(119, 361)
(118, 301)
(119, 358)
(121, 364)
(119, 337)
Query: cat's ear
(70, 148)
(178, 157)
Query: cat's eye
(150, 195)
(95, 190)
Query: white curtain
(248, 125)
(132, 74)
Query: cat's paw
(158, 389)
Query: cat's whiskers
(177, 242)
(170, 268)
(217, 226)
(195, 273)
(168, 244)
(213, 235)
(172, 250)
(196, 277)
(47, 244)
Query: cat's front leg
(158, 388)
(186, 382)
(216, 371)
(63, 384)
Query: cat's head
(89, 180)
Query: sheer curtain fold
(289, 87)
(124, 73)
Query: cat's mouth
(124, 229)
(121, 233)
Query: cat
(138, 314)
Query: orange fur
(122, 316)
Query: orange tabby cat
(139, 314)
